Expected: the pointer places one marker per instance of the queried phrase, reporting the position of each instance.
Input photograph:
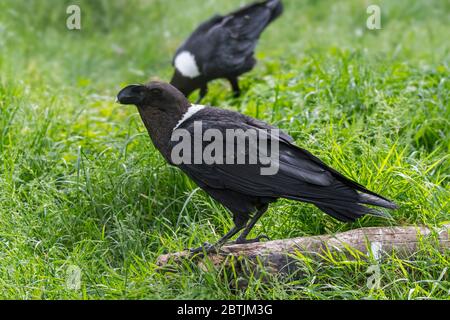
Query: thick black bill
(132, 94)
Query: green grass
(81, 185)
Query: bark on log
(280, 255)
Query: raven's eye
(155, 92)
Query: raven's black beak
(132, 94)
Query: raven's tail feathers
(351, 213)
(339, 214)
(376, 201)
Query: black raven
(222, 47)
(241, 187)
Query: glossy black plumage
(241, 187)
(301, 175)
(223, 46)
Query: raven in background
(222, 47)
(240, 187)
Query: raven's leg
(235, 86)
(243, 236)
(203, 93)
(239, 225)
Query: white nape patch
(193, 109)
(185, 63)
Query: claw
(205, 248)
(257, 239)
(263, 236)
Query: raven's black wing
(300, 175)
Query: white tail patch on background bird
(185, 63)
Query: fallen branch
(278, 255)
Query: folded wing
(300, 176)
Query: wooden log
(280, 255)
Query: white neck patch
(186, 65)
(193, 109)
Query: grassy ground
(82, 188)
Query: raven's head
(160, 105)
(155, 94)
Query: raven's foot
(205, 248)
(244, 240)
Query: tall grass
(81, 185)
